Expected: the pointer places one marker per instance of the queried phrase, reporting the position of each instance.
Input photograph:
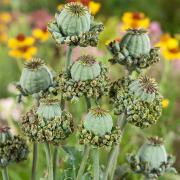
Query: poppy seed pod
(144, 88)
(12, 148)
(134, 50)
(74, 19)
(85, 68)
(35, 77)
(49, 108)
(136, 42)
(98, 121)
(85, 77)
(152, 159)
(75, 26)
(140, 110)
(42, 129)
(98, 130)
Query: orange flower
(135, 20)
(22, 47)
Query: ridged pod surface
(98, 121)
(153, 152)
(136, 42)
(49, 109)
(144, 88)
(74, 19)
(85, 68)
(35, 77)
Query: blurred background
(23, 35)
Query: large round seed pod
(35, 77)
(74, 19)
(136, 42)
(98, 121)
(85, 68)
(5, 135)
(49, 109)
(140, 111)
(153, 153)
(144, 88)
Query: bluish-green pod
(85, 68)
(153, 153)
(49, 109)
(5, 135)
(35, 77)
(144, 88)
(98, 121)
(136, 42)
(74, 19)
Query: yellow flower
(171, 53)
(22, 47)
(41, 34)
(3, 37)
(169, 47)
(165, 103)
(135, 20)
(5, 17)
(3, 33)
(5, 2)
(20, 41)
(167, 41)
(59, 7)
(94, 7)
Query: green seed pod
(12, 148)
(85, 68)
(153, 152)
(134, 51)
(49, 109)
(138, 112)
(43, 130)
(35, 77)
(98, 121)
(137, 42)
(144, 88)
(74, 19)
(5, 135)
(152, 159)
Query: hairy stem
(96, 163)
(49, 161)
(5, 173)
(112, 161)
(55, 161)
(68, 57)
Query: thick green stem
(83, 162)
(86, 149)
(34, 162)
(112, 161)
(88, 102)
(55, 161)
(35, 151)
(5, 173)
(96, 163)
(49, 161)
(68, 57)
